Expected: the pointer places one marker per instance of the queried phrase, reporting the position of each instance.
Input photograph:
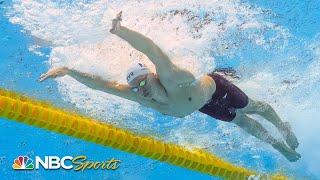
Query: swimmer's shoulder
(206, 80)
(206, 83)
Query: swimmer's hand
(53, 73)
(116, 23)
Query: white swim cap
(136, 70)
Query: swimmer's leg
(267, 112)
(254, 128)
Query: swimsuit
(225, 100)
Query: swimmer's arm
(144, 45)
(121, 90)
(165, 68)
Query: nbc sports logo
(23, 163)
(55, 162)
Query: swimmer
(176, 92)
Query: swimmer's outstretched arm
(140, 43)
(98, 83)
(163, 64)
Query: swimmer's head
(145, 83)
(136, 71)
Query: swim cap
(136, 70)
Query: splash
(196, 35)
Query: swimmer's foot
(289, 153)
(116, 23)
(288, 135)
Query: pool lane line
(23, 109)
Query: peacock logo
(23, 163)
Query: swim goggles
(141, 84)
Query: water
(274, 47)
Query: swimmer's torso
(182, 99)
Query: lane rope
(15, 106)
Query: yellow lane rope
(26, 110)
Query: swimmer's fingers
(43, 77)
(116, 23)
(47, 75)
(119, 16)
(53, 73)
